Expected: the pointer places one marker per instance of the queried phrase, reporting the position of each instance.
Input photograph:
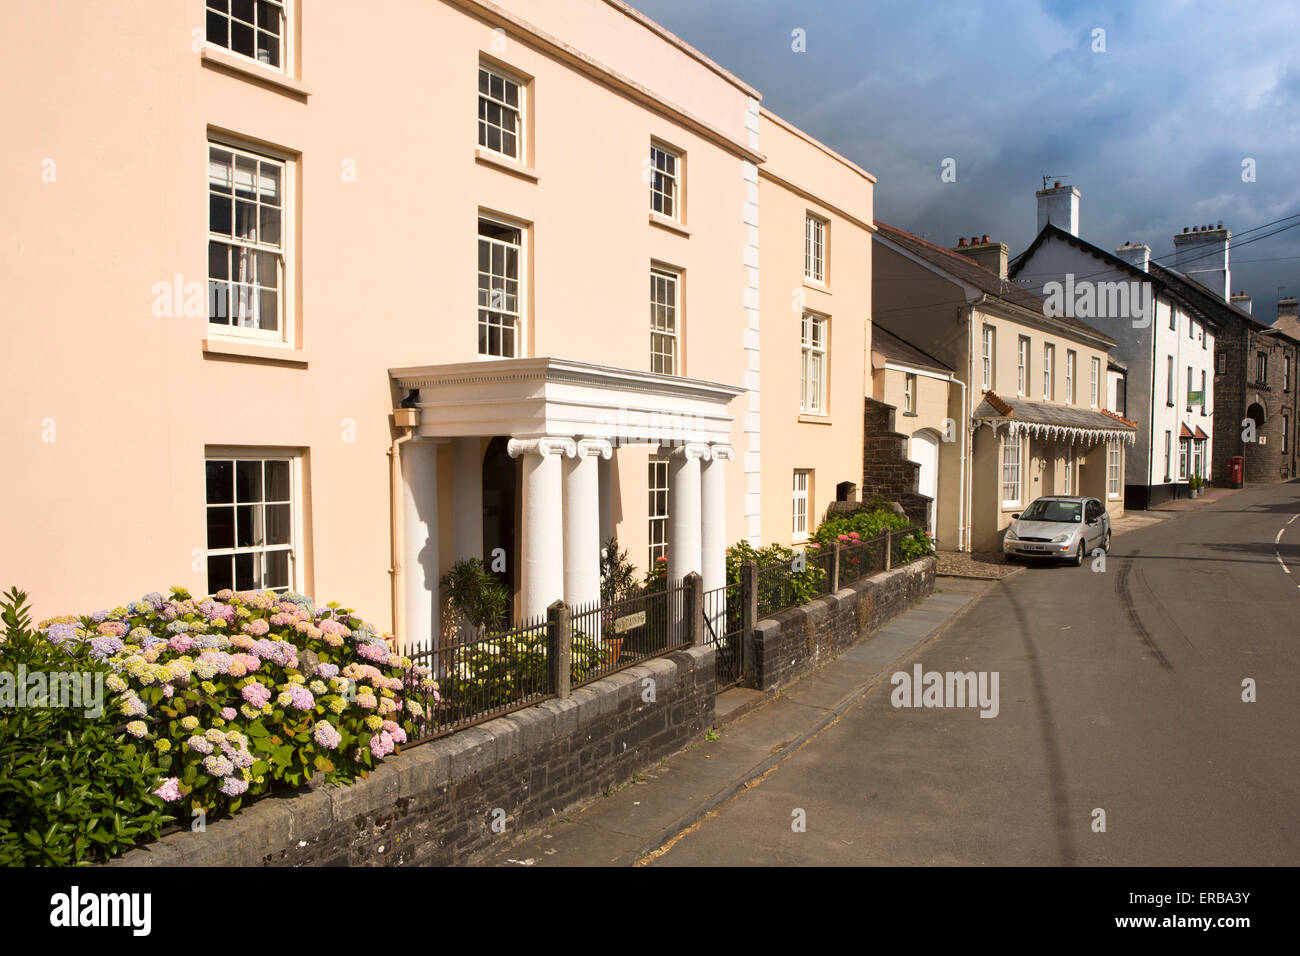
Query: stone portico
(565, 422)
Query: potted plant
(476, 597)
(1195, 484)
(617, 583)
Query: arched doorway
(500, 481)
(925, 452)
(1256, 413)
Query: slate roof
(972, 273)
(1045, 413)
(899, 350)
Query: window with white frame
(813, 358)
(663, 321)
(814, 248)
(1198, 457)
(1190, 382)
(250, 28)
(665, 184)
(1169, 438)
(1286, 373)
(1172, 381)
(1113, 469)
(986, 361)
(1094, 383)
(1049, 367)
(1204, 394)
(909, 394)
(801, 482)
(1184, 446)
(1071, 359)
(1022, 366)
(1286, 432)
(246, 242)
(500, 112)
(1220, 363)
(1173, 318)
(1261, 368)
(500, 249)
(1011, 469)
(658, 510)
(250, 522)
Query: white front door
(925, 452)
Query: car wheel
(1011, 558)
(1078, 556)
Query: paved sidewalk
(757, 733)
(1209, 496)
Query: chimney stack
(1202, 254)
(1059, 205)
(1288, 308)
(1241, 301)
(1136, 254)
(991, 255)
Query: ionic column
(467, 498)
(420, 571)
(582, 521)
(543, 532)
(685, 540)
(713, 481)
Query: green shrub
(507, 668)
(781, 586)
(72, 790)
(474, 591)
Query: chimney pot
(961, 243)
(985, 238)
(1057, 185)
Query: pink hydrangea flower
(168, 790)
(256, 694)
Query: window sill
(215, 346)
(909, 414)
(249, 70)
(672, 225)
(816, 286)
(505, 164)
(808, 419)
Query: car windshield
(1048, 509)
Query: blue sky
(1153, 131)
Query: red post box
(1237, 471)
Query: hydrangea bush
(227, 697)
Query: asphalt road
(1119, 690)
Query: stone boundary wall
(438, 803)
(801, 639)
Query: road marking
(1277, 552)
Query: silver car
(1064, 527)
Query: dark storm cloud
(1153, 131)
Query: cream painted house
(816, 306)
(1029, 401)
(307, 313)
(918, 388)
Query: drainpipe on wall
(405, 419)
(965, 463)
